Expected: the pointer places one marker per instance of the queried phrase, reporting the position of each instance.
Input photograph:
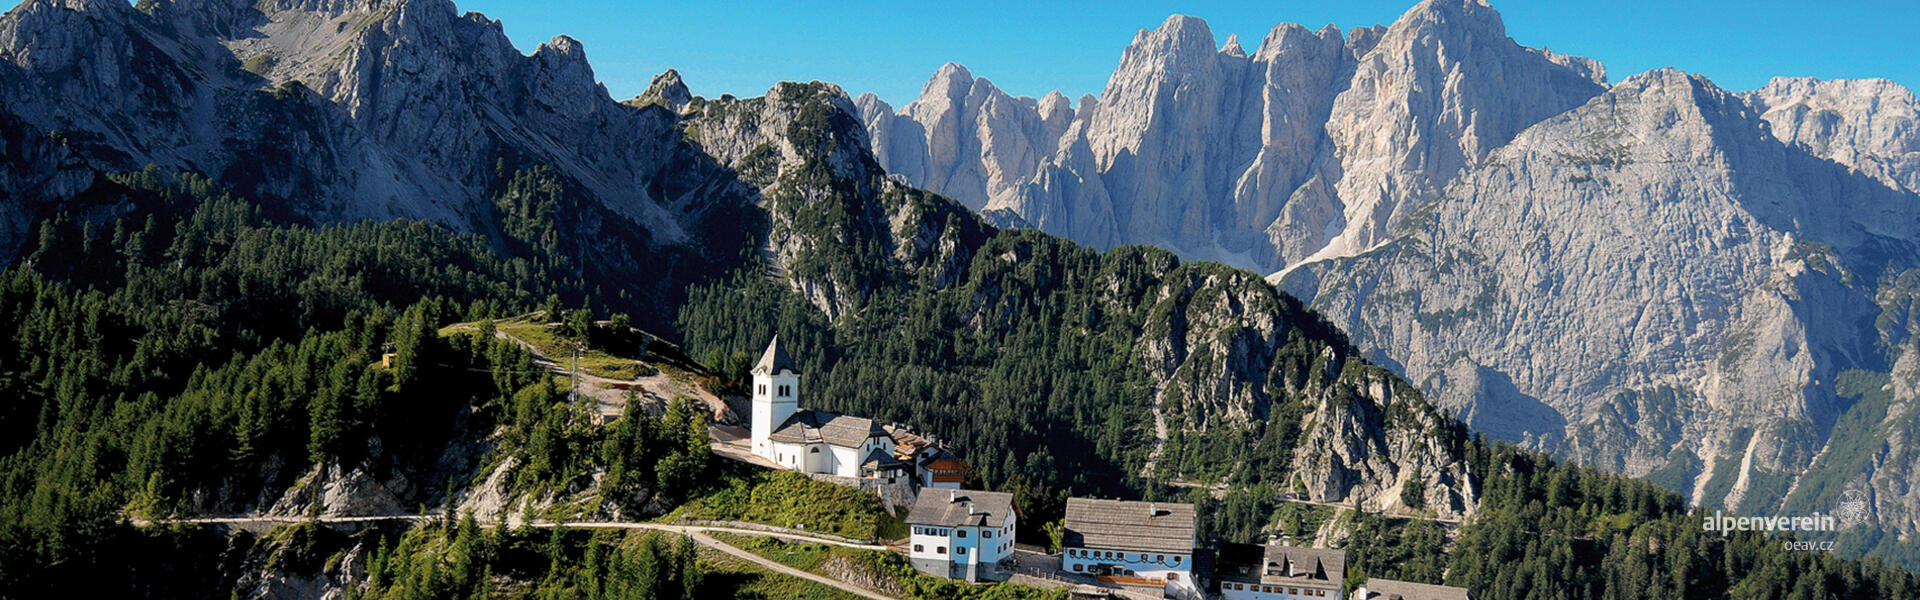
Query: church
(811, 441)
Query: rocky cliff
(1651, 283)
(1310, 146)
(333, 111)
(1872, 125)
(1658, 277)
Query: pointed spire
(1232, 47)
(774, 359)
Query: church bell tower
(776, 395)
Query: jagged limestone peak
(668, 89)
(1232, 47)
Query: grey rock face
(337, 110)
(1869, 124)
(1442, 88)
(1657, 277)
(1311, 146)
(668, 90)
(1216, 347)
(964, 137)
(1656, 269)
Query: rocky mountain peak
(668, 89)
(1469, 16)
(951, 80)
(1406, 141)
(963, 132)
(1866, 124)
(871, 106)
(1310, 147)
(1180, 44)
(1232, 47)
(1055, 102)
(1288, 35)
(1658, 221)
(565, 58)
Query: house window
(1076, 568)
(963, 533)
(960, 551)
(816, 450)
(919, 548)
(986, 535)
(939, 549)
(1176, 560)
(1173, 577)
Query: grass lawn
(730, 577)
(547, 343)
(806, 557)
(787, 499)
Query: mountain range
(1713, 290)
(1656, 276)
(333, 112)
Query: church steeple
(776, 395)
(774, 359)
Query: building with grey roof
(809, 441)
(1132, 542)
(962, 534)
(1279, 572)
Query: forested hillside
(177, 348)
(196, 358)
(137, 402)
(1035, 363)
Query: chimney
(952, 496)
(1153, 509)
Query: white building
(1132, 542)
(1388, 589)
(962, 534)
(1279, 572)
(811, 441)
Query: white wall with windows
(776, 396)
(1231, 590)
(964, 545)
(1175, 569)
(931, 542)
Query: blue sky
(1029, 48)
